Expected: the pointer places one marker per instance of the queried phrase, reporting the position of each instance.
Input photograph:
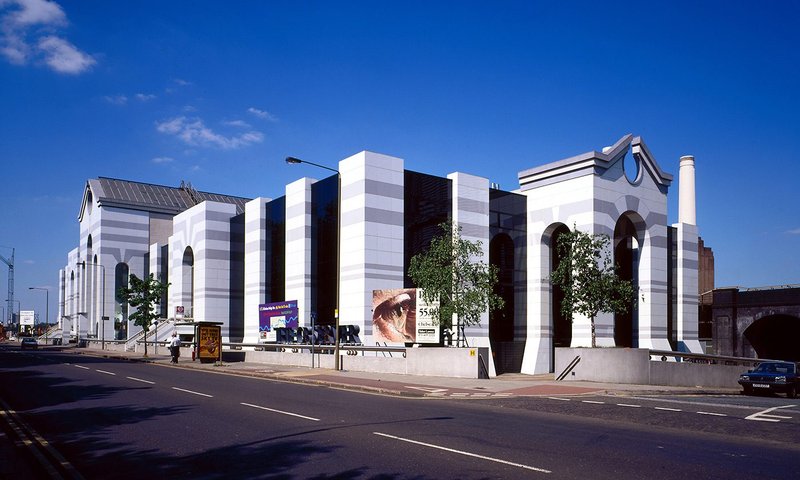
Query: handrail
(296, 346)
(482, 366)
(710, 359)
(575, 361)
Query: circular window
(632, 168)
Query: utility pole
(10, 264)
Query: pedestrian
(174, 347)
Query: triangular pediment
(595, 163)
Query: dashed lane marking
(280, 411)
(558, 398)
(103, 371)
(462, 452)
(628, 405)
(666, 409)
(192, 392)
(81, 366)
(593, 402)
(712, 414)
(140, 380)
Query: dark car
(28, 342)
(780, 377)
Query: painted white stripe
(280, 411)
(668, 409)
(628, 405)
(194, 393)
(81, 366)
(461, 452)
(712, 414)
(140, 380)
(557, 398)
(103, 371)
(595, 402)
(764, 415)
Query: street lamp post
(293, 160)
(46, 309)
(103, 317)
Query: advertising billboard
(276, 315)
(402, 316)
(209, 343)
(26, 317)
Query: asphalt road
(115, 419)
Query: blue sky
(218, 93)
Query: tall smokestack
(687, 212)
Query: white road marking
(103, 371)
(764, 415)
(712, 414)
(428, 389)
(194, 393)
(461, 452)
(628, 405)
(140, 380)
(557, 398)
(81, 366)
(280, 411)
(668, 409)
(595, 402)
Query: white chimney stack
(686, 197)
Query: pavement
(505, 385)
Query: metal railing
(294, 347)
(664, 355)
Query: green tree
(144, 295)
(589, 279)
(449, 273)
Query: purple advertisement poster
(276, 315)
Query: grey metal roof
(155, 198)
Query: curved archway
(501, 322)
(121, 274)
(560, 325)
(776, 337)
(626, 244)
(187, 274)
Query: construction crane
(10, 264)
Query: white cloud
(182, 82)
(162, 160)
(261, 114)
(145, 97)
(35, 12)
(794, 231)
(237, 123)
(116, 99)
(194, 132)
(29, 262)
(27, 33)
(64, 57)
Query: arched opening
(501, 322)
(121, 274)
(626, 260)
(187, 273)
(775, 337)
(562, 324)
